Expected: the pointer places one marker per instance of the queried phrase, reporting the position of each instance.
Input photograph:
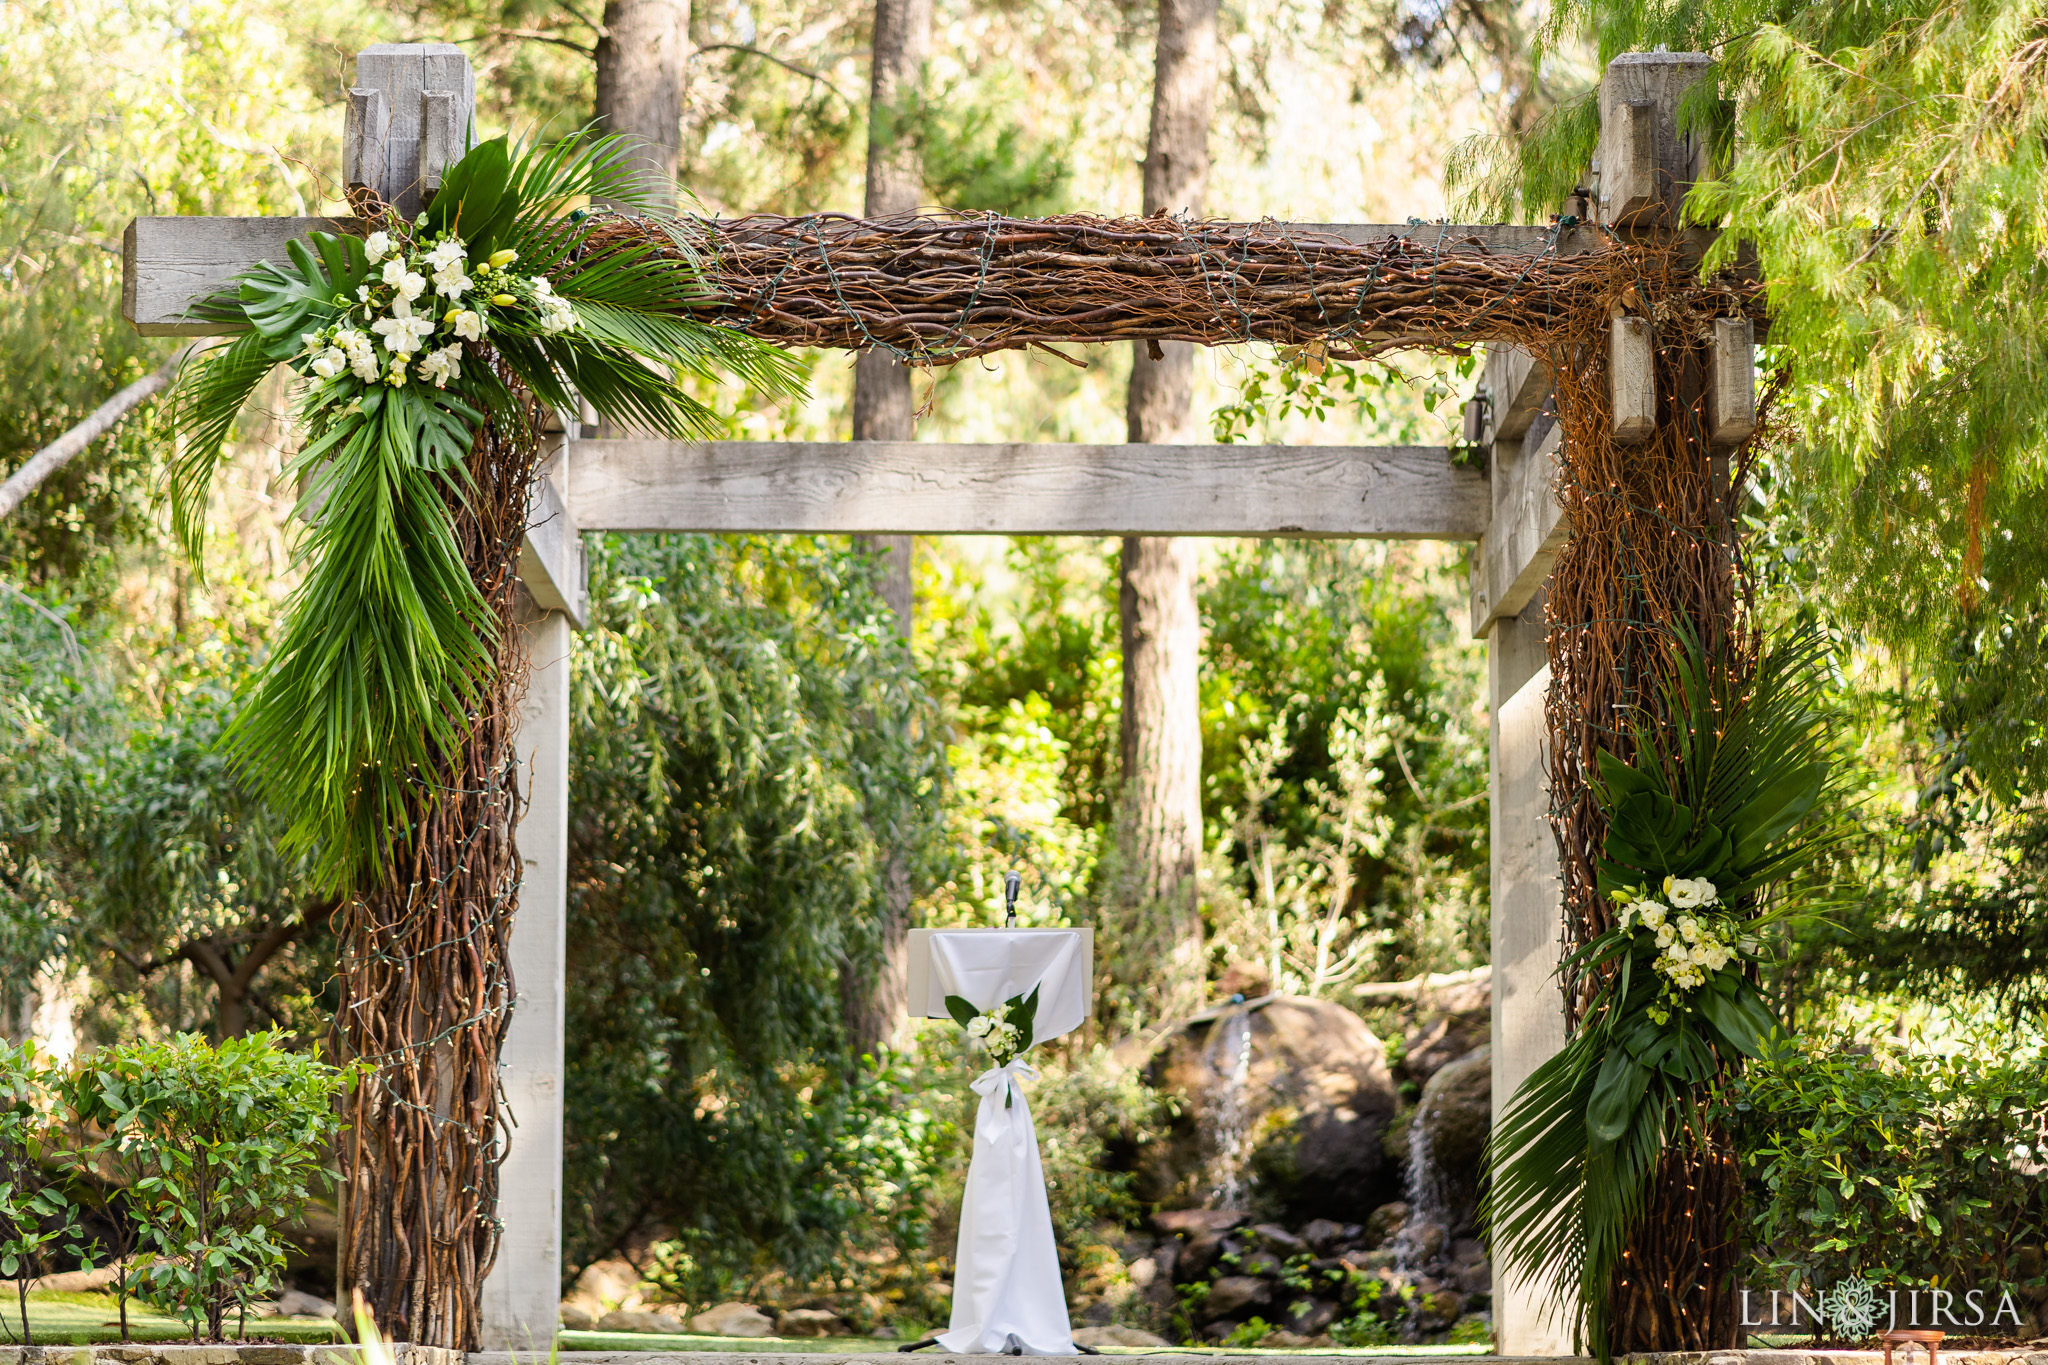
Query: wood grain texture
(170, 263)
(1528, 526)
(891, 487)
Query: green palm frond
(1730, 785)
(387, 645)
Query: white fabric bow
(1003, 1078)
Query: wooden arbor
(1604, 502)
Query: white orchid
(555, 314)
(468, 323)
(377, 246)
(442, 365)
(450, 282)
(396, 379)
(403, 335)
(448, 253)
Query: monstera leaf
(1648, 830)
(283, 302)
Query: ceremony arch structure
(408, 118)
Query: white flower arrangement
(1003, 1031)
(384, 339)
(1694, 936)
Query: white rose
(979, 1026)
(1664, 936)
(1653, 913)
(330, 362)
(394, 271)
(1689, 892)
(1689, 927)
(377, 246)
(411, 286)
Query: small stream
(1228, 1132)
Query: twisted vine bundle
(937, 289)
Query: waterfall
(1229, 1134)
(1428, 1201)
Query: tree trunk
(640, 73)
(873, 1006)
(1160, 820)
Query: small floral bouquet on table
(1003, 1031)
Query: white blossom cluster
(1693, 936)
(390, 332)
(993, 1031)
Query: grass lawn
(80, 1319)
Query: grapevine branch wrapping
(938, 289)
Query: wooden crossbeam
(169, 263)
(898, 487)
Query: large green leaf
(284, 302)
(1616, 1094)
(478, 200)
(1772, 812)
(1739, 1016)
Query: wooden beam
(1731, 400)
(897, 487)
(1646, 164)
(170, 263)
(1527, 530)
(1517, 385)
(1632, 379)
(551, 555)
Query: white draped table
(1007, 1293)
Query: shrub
(1898, 1166)
(227, 1143)
(34, 1213)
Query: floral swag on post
(1722, 804)
(381, 722)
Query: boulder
(573, 1317)
(1309, 1317)
(810, 1322)
(1263, 1263)
(1279, 1240)
(733, 1320)
(1197, 1256)
(1447, 1143)
(1191, 1221)
(1219, 1329)
(1326, 1237)
(1475, 1277)
(605, 1285)
(1284, 1340)
(1380, 1258)
(1420, 1242)
(1385, 1224)
(1315, 1100)
(1450, 1025)
(1230, 1296)
(295, 1304)
(1440, 1309)
(1113, 1335)
(640, 1320)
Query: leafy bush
(34, 1213)
(1906, 1167)
(228, 1143)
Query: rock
(293, 1304)
(1165, 1259)
(1385, 1224)
(1142, 1272)
(1325, 1235)
(1420, 1242)
(1440, 1309)
(1284, 1340)
(1382, 1258)
(733, 1320)
(605, 1285)
(809, 1322)
(1309, 1317)
(1474, 1278)
(1098, 1337)
(1443, 1040)
(1197, 1256)
(1192, 1221)
(640, 1320)
(1466, 1250)
(1279, 1240)
(1317, 1099)
(1231, 1295)
(1261, 1263)
(1221, 1328)
(1448, 1138)
(574, 1318)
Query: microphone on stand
(1011, 882)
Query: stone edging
(2021, 1355)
